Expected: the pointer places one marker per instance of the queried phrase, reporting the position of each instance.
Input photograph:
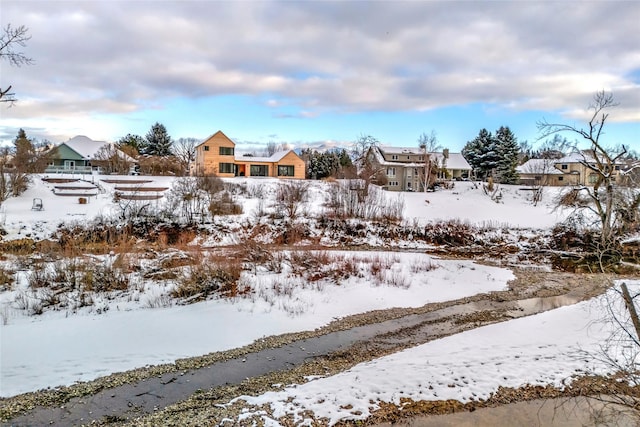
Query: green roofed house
(82, 155)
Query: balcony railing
(70, 169)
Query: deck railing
(70, 169)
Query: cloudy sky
(310, 72)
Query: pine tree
(509, 150)
(24, 156)
(482, 154)
(157, 141)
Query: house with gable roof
(404, 166)
(81, 154)
(217, 155)
(572, 169)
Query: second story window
(565, 166)
(394, 157)
(206, 148)
(226, 151)
(391, 171)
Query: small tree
(185, 150)
(111, 160)
(429, 144)
(604, 195)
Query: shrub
(212, 276)
(104, 278)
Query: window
(561, 178)
(393, 183)
(391, 171)
(226, 151)
(226, 168)
(285, 170)
(617, 167)
(394, 157)
(565, 167)
(421, 158)
(593, 178)
(206, 148)
(259, 170)
(408, 157)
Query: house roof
(539, 166)
(275, 157)
(400, 150)
(214, 134)
(455, 161)
(88, 148)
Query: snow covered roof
(88, 148)
(400, 150)
(455, 161)
(275, 157)
(539, 166)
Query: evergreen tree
(508, 150)
(131, 144)
(25, 158)
(482, 154)
(157, 141)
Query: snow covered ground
(548, 348)
(466, 202)
(56, 348)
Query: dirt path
(186, 393)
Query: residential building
(81, 154)
(572, 169)
(406, 167)
(217, 155)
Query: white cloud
(116, 57)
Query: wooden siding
(208, 156)
(208, 160)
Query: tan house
(216, 155)
(568, 170)
(405, 166)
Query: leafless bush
(40, 276)
(290, 197)
(104, 278)
(215, 275)
(375, 205)
(422, 265)
(158, 301)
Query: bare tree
(111, 160)
(185, 150)
(601, 162)
(11, 40)
(429, 144)
(361, 147)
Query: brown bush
(215, 275)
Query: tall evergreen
(481, 153)
(157, 141)
(24, 155)
(495, 156)
(509, 151)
